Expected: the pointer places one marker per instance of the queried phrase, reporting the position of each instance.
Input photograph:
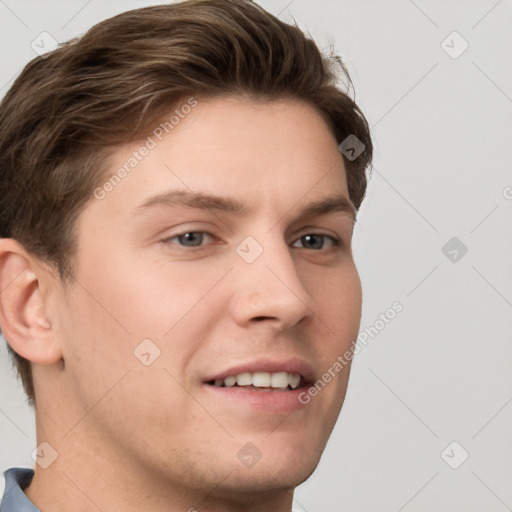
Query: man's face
(244, 292)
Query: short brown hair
(68, 110)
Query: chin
(268, 478)
(282, 466)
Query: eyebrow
(205, 201)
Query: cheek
(121, 303)
(97, 348)
(103, 327)
(149, 296)
(339, 301)
(338, 297)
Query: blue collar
(15, 500)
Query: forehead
(274, 152)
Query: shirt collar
(15, 500)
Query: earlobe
(24, 315)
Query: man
(178, 194)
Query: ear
(24, 313)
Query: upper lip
(290, 365)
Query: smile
(261, 381)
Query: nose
(270, 289)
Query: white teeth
(294, 383)
(262, 380)
(244, 379)
(229, 381)
(279, 380)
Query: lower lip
(266, 401)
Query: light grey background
(440, 370)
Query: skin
(132, 437)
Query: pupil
(191, 239)
(314, 241)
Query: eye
(316, 241)
(188, 239)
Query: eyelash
(335, 242)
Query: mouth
(261, 381)
(268, 386)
